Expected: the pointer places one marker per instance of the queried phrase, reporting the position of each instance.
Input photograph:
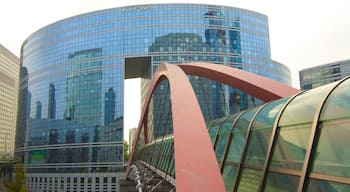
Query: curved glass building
(292, 144)
(298, 143)
(283, 75)
(70, 124)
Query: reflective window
(290, 147)
(261, 132)
(250, 180)
(215, 125)
(223, 136)
(295, 124)
(337, 105)
(281, 182)
(302, 108)
(239, 132)
(228, 175)
(332, 151)
(72, 78)
(321, 185)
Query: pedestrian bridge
(295, 141)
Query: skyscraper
(82, 61)
(9, 70)
(323, 74)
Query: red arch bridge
(275, 146)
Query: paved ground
(2, 187)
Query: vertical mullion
(273, 142)
(170, 154)
(224, 156)
(217, 133)
(162, 147)
(164, 133)
(205, 98)
(313, 140)
(238, 174)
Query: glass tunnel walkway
(297, 143)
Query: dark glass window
(321, 185)
(228, 175)
(281, 182)
(223, 136)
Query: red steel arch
(196, 167)
(255, 85)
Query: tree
(126, 151)
(6, 169)
(20, 180)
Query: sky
(303, 33)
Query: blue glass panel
(83, 57)
(239, 135)
(302, 108)
(213, 129)
(261, 133)
(337, 104)
(228, 175)
(223, 136)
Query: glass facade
(9, 71)
(298, 143)
(320, 75)
(283, 75)
(285, 145)
(319, 115)
(72, 75)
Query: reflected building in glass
(52, 102)
(70, 123)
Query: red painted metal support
(196, 167)
(255, 85)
